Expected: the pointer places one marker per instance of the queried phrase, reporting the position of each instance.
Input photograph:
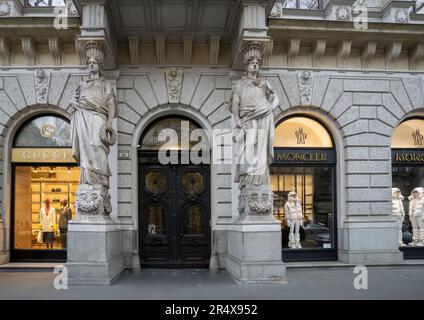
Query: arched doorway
(42, 169)
(408, 174)
(305, 162)
(174, 195)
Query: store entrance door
(174, 213)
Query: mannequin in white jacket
(47, 222)
(398, 211)
(416, 211)
(294, 219)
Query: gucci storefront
(44, 182)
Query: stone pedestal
(254, 241)
(95, 254)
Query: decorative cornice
(160, 49)
(318, 52)
(134, 49)
(5, 51)
(292, 51)
(367, 53)
(55, 51)
(392, 53)
(416, 54)
(28, 46)
(188, 49)
(343, 52)
(214, 43)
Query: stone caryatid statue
(93, 109)
(416, 215)
(252, 104)
(294, 219)
(398, 211)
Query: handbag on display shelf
(40, 237)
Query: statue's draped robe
(91, 100)
(254, 142)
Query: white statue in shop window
(416, 215)
(294, 219)
(398, 211)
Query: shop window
(32, 224)
(305, 164)
(407, 175)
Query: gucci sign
(28, 155)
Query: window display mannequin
(47, 222)
(64, 217)
(416, 210)
(398, 211)
(294, 219)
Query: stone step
(28, 267)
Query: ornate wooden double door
(174, 215)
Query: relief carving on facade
(5, 8)
(174, 79)
(42, 85)
(343, 14)
(305, 87)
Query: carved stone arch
(9, 132)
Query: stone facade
(360, 94)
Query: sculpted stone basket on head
(93, 108)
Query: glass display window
(303, 182)
(408, 175)
(32, 187)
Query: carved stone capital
(305, 87)
(42, 85)
(93, 201)
(174, 79)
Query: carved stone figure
(416, 215)
(42, 83)
(305, 86)
(398, 211)
(294, 219)
(174, 79)
(252, 104)
(93, 109)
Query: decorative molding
(305, 87)
(55, 51)
(318, 52)
(80, 51)
(367, 53)
(42, 85)
(416, 54)
(28, 46)
(174, 79)
(5, 51)
(276, 11)
(5, 8)
(160, 49)
(401, 16)
(71, 10)
(188, 49)
(214, 49)
(134, 49)
(292, 51)
(392, 53)
(268, 49)
(343, 14)
(343, 52)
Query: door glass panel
(156, 218)
(33, 227)
(156, 182)
(193, 223)
(314, 189)
(193, 182)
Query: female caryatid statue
(252, 105)
(398, 211)
(93, 109)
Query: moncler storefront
(345, 182)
